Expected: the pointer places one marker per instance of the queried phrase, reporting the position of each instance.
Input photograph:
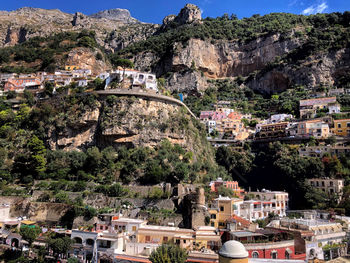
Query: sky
(153, 11)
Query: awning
(28, 222)
(208, 238)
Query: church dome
(233, 249)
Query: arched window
(255, 254)
(90, 242)
(78, 240)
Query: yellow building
(71, 67)
(342, 127)
(222, 209)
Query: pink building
(233, 185)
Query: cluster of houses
(228, 125)
(226, 122)
(73, 74)
(115, 238)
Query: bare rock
(122, 15)
(189, 14)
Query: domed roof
(233, 249)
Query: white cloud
(314, 9)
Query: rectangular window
(148, 238)
(134, 228)
(221, 208)
(339, 125)
(348, 125)
(165, 239)
(213, 216)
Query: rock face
(117, 14)
(129, 121)
(25, 23)
(189, 14)
(85, 58)
(191, 64)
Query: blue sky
(153, 11)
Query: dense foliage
(168, 253)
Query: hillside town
(290, 235)
(260, 220)
(185, 138)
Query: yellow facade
(71, 67)
(342, 127)
(222, 211)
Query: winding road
(124, 92)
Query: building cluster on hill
(226, 122)
(256, 219)
(35, 82)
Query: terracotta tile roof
(242, 221)
(21, 83)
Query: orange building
(342, 127)
(233, 185)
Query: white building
(139, 79)
(324, 233)
(127, 225)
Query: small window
(255, 254)
(101, 227)
(213, 216)
(348, 124)
(339, 125)
(222, 208)
(148, 238)
(286, 255)
(165, 239)
(134, 228)
(274, 255)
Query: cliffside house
(308, 108)
(20, 84)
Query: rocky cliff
(24, 23)
(198, 50)
(129, 121)
(117, 14)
